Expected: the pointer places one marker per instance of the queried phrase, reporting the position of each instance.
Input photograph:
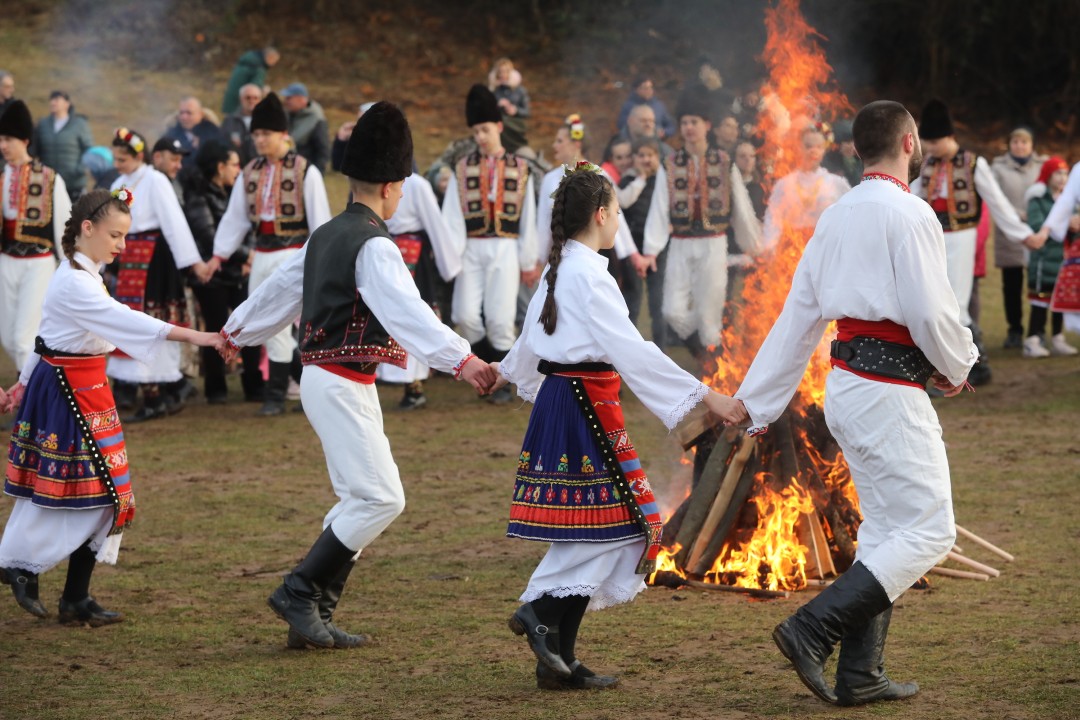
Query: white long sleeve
(548, 185)
(156, 207)
(235, 223)
(61, 208)
(316, 204)
(1064, 206)
(628, 195)
(455, 221)
(528, 256)
(419, 210)
(658, 222)
(744, 220)
(273, 306)
(1002, 211)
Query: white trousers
(960, 265)
(348, 420)
(892, 442)
(263, 264)
(23, 282)
(695, 287)
(485, 293)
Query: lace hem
(680, 411)
(600, 597)
(524, 394)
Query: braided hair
(92, 206)
(581, 192)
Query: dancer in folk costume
(35, 207)
(876, 264)
(490, 208)
(699, 194)
(67, 465)
(580, 485)
(956, 182)
(158, 247)
(418, 229)
(360, 308)
(282, 199)
(1066, 297)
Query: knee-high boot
(296, 601)
(327, 605)
(860, 671)
(276, 387)
(807, 638)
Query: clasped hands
(11, 399)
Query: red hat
(1050, 167)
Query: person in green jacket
(250, 68)
(60, 140)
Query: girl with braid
(67, 465)
(580, 485)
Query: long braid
(549, 316)
(92, 206)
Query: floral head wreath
(825, 129)
(583, 166)
(130, 139)
(576, 126)
(123, 194)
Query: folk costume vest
(963, 208)
(284, 198)
(484, 216)
(338, 327)
(700, 193)
(30, 234)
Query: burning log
(702, 496)
(718, 522)
(752, 592)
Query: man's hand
(479, 374)
(1074, 224)
(728, 409)
(643, 264)
(531, 277)
(942, 383)
(1036, 241)
(345, 131)
(500, 380)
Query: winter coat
(63, 151)
(665, 124)
(311, 133)
(249, 69)
(204, 206)
(205, 130)
(1044, 263)
(1014, 180)
(238, 137)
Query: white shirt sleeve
(520, 364)
(173, 223)
(628, 195)
(235, 223)
(390, 292)
(743, 219)
(316, 204)
(1064, 206)
(658, 222)
(1002, 211)
(624, 241)
(447, 259)
(527, 252)
(61, 211)
(455, 221)
(273, 306)
(543, 222)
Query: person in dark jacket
(644, 93)
(236, 128)
(206, 190)
(192, 128)
(307, 125)
(60, 141)
(250, 68)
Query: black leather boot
(296, 601)
(860, 672)
(581, 678)
(543, 637)
(275, 388)
(24, 586)
(807, 638)
(980, 373)
(87, 612)
(327, 605)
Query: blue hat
(295, 89)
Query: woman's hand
(728, 409)
(12, 399)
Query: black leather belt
(887, 359)
(45, 351)
(546, 367)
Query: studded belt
(887, 359)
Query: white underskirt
(165, 367)
(37, 539)
(605, 571)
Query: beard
(915, 164)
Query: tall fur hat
(269, 114)
(695, 100)
(481, 106)
(935, 123)
(380, 149)
(16, 121)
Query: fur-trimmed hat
(16, 121)
(380, 149)
(481, 106)
(269, 114)
(695, 101)
(935, 123)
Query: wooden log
(697, 423)
(719, 536)
(822, 498)
(754, 592)
(958, 549)
(721, 502)
(671, 527)
(983, 543)
(963, 574)
(819, 562)
(702, 496)
(978, 566)
(702, 452)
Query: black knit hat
(695, 100)
(380, 149)
(935, 123)
(481, 106)
(269, 114)
(16, 121)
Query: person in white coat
(876, 265)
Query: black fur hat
(16, 121)
(696, 100)
(380, 149)
(935, 123)
(481, 106)
(269, 114)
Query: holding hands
(482, 376)
(728, 409)
(12, 398)
(942, 383)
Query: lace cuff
(675, 416)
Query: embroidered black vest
(965, 205)
(286, 197)
(700, 197)
(337, 326)
(484, 217)
(33, 228)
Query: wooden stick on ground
(964, 574)
(755, 592)
(983, 543)
(978, 566)
(958, 549)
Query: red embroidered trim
(461, 366)
(887, 178)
